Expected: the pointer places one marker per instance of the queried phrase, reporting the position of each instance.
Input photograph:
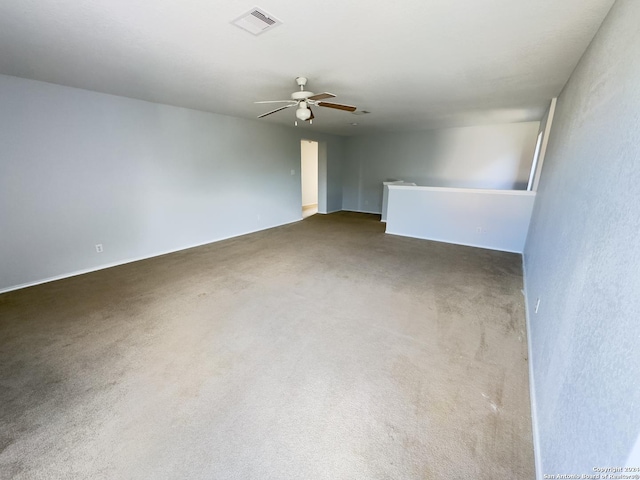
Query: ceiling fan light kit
(303, 113)
(303, 100)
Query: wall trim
(360, 211)
(532, 389)
(454, 243)
(132, 260)
(545, 144)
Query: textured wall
(487, 156)
(78, 168)
(583, 260)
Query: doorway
(309, 177)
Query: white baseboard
(361, 211)
(532, 385)
(454, 243)
(131, 260)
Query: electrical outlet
(366, 202)
(293, 172)
(537, 305)
(478, 229)
(99, 248)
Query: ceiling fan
(303, 101)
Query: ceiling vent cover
(256, 21)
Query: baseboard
(455, 243)
(137, 259)
(361, 211)
(532, 385)
(331, 211)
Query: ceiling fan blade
(321, 96)
(338, 106)
(277, 101)
(312, 115)
(274, 111)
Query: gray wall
(488, 156)
(79, 168)
(335, 154)
(582, 260)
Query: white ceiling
(415, 64)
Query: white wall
(79, 168)
(495, 219)
(309, 172)
(488, 156)
(582, 260)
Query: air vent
(256, 21)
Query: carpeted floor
(323, 349)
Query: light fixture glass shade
(303, 114)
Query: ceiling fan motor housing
(302, 95)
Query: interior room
(315, 240)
